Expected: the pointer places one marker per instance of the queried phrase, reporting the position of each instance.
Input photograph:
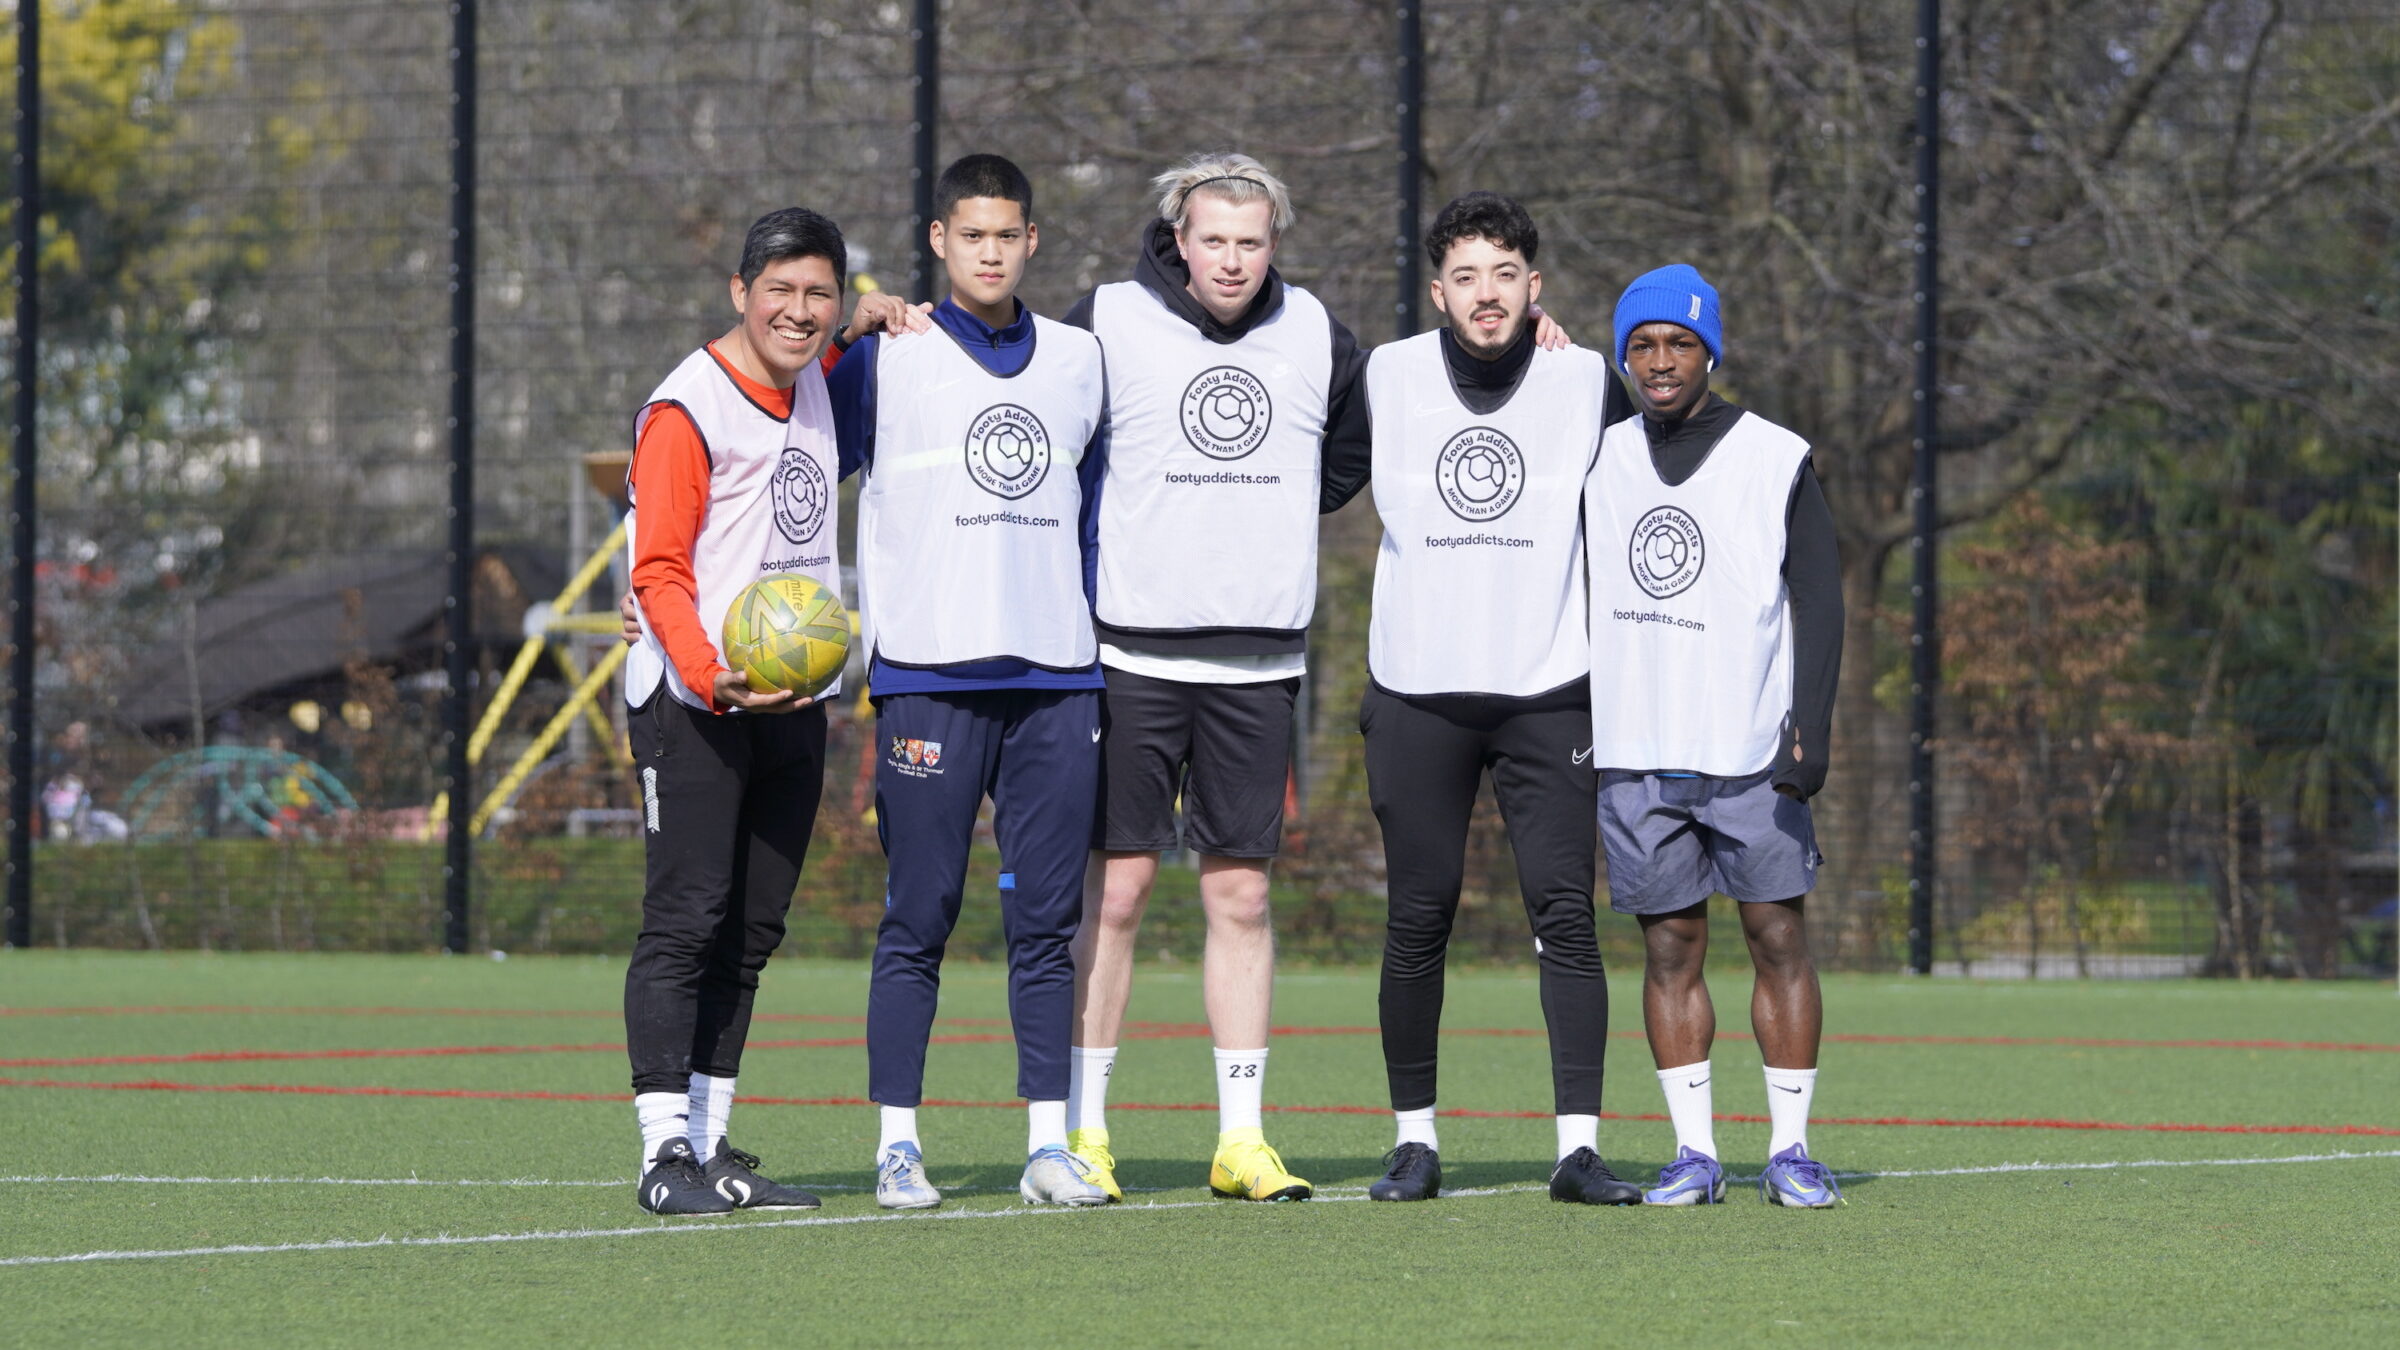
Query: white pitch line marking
(333, 1181)
(297, 1181)
(2111, 1166)
(571, 1234)
(1322, 1191)
(1153, 1206)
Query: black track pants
(1425, 758)
(728, 804)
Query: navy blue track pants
(1036, 754)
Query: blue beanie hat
(1676, 294)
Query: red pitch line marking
(477, 1094)
(437, 1051)
(1164, 1030)
(1865, 1038)
(218, 1009)
(443, 1051)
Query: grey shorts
(1673, 842)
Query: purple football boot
(1793, 1178)
(1694, 1178)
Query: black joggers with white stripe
(728, 805)
(1425, 758)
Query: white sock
(1088, 1072)
(899, 1127)
(711, 1106)
(1045, 1126)
(1241, 1085)
(1416, 1127)
(1576, 1132)
(1690, 1105)
(662, 1116)
(1788, 1094)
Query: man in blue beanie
(1716, 630)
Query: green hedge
(545, 895)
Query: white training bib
(1208, 510)
(969, 524)
(1691, 624)
(771, 503)
(1479, 586)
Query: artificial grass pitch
(222, 1171)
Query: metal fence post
(458, 628)
(926, 35)
(25, 464)
(1925, 650)
(1408, 274)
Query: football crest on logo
(1226, 412)
(1666, 552)
(1008, 450)
(800, 494)
(1480, 474)
(914, 757)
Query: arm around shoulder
(1347, 457)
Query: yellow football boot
(1245, 1168)
(1092, 1147)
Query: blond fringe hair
(1238, 179)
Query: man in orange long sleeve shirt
(732, 478)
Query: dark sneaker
(731, 1174)
(1793, 1178)
(1413, 1172)
(1582, 1179)
(673, 1185)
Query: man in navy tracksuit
(981, 438)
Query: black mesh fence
(2171, 271)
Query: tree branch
(2134, 101)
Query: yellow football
(787, 631)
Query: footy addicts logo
(800, 495)
(1666, 552)
(1480, 474)
(1226, 412)
(1008, 451)
(916, 758)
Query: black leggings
(1425, 757)
(728, 803)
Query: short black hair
(1482, 215)
(793, 232)
(981, 176)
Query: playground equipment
(544, 626)
(234, 788)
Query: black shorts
(1226, 749)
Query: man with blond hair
(1234, 412)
